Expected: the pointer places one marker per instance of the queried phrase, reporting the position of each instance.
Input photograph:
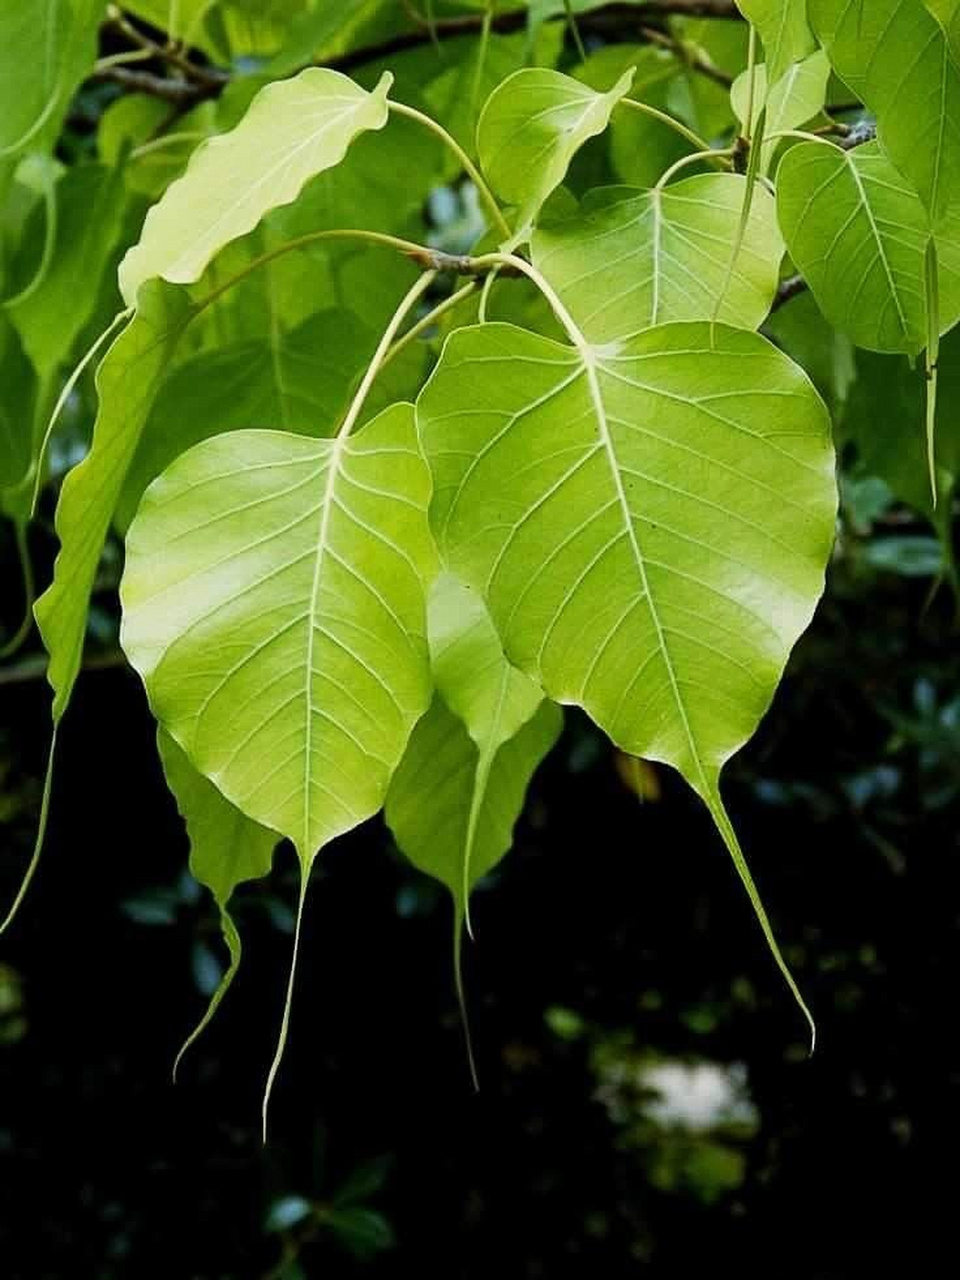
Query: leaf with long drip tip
(613, 507)
(274, 604)
(226, 848)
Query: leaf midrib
(596, 394)
(323, 534)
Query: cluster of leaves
(378, 527)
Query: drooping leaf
(531, 127)
(895, 57)
(491, 697)
(631, 259)
(434, 799)
(300, 380)
(51, 316)
(293, 130)
(648, 523)
(287, 653)
(782, 26)
(226, 848)
(127, 381)
(858, 233)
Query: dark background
(615, 939)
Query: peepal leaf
(491, 697)
(226, 848)
(649, 524)
(630, 259)
(127, 382)
(273, 602)
(531, 127)
(433, 797)
(293, 130)
(782, 26)
(858, 233)
(894, 57)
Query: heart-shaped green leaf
(273, 602)
(649, 524)
(630, 259)
(531, 127)
(858, 232)
(293, 130)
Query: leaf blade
(233, 180)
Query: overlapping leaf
(483, 705)
(226, 848)
(273, 602)
(293, 130)
(782, 26)
(127, 382)
(531, 127)
(858, 232)
(797, 97)
(894, 56)
(300, 380)
(434, 801)
(649, 524)
(631, 259)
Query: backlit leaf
(293, 130)
(287, 653)
(530, 129)
(648, 523)
(127, 381)
(630, 259)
